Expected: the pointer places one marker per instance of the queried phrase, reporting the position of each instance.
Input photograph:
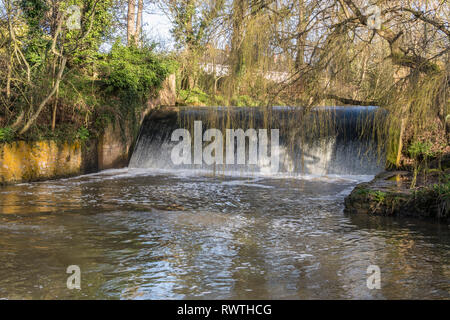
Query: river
(137, 234)
(160, 231)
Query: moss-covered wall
(28, 161)
(23, 161)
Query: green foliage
(219, 100)
(38, 16)
(66, 132)
(36, 42)
(378, 196)
(135, 70)
(83, 134)
(244, 101)
(6, 134)
(34, 12)
(197, 97)
(100, 14)
(194, 97)
(442, 191)
(420, 150)
(436, 196)
(130, 75)
(392, 145)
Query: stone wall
(23, 161)
(117, 142)
(114, 146)
(29, 161)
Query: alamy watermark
(374, 280)
(373, 14)
(74, 17)
(214, 152)
(74, 280)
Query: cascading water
(324, 141)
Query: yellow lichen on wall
(27, 161)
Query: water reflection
(138, 235)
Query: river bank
(390, 194)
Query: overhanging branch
(353, 102)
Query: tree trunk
(55, 106)
(400, 143)
(404, 120)
(131, 22)
(8, 79)
(45, 101)
(139, 22)
(237, 64)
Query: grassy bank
(198, 97)
(391, 194)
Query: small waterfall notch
(322, 141)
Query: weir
(322, 141)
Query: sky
(157, 26)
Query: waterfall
(322, 141)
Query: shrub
(378, 196)
(194, 97)
(136, 70)
(420, 150)
(6, 134)
(83, 134)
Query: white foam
(254, 177)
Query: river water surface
(149, 234)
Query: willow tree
(253, 51)
(390, 53)
(393, 54)
(417, 100)
(192, 22)
(302, 35)
(237, 62)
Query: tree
(237, 61)
(138, 34)
(131, 22)
(192, 27)
(40, 45)
(301, 35)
